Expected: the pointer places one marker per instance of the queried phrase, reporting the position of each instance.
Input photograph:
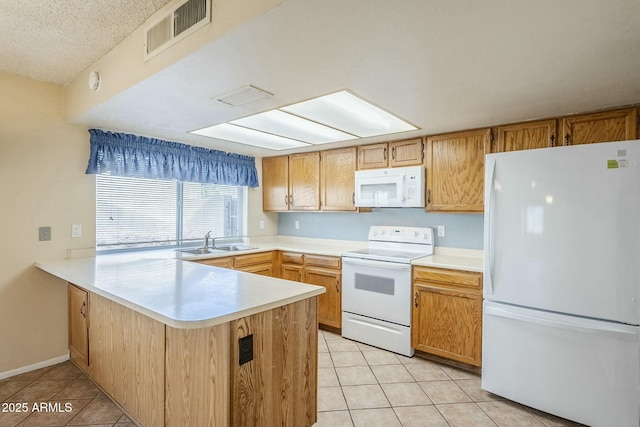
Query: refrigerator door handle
(488, 259)
(579, 325)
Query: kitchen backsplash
(461, 230)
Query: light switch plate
(441, 231)
(76, 230)
(44, 234)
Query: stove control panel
(383, 233)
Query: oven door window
(377, 284)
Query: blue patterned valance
(122, 154)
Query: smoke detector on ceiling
(94, 81)
(243, 95)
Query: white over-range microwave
(390, 187)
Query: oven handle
(379, 264)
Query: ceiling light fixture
(242, 135)
(281, 123)
(339, 116)
(344, 110)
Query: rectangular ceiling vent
(182, 20)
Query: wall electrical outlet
(76, 230)
(441, 231)
(44, 234)
(262, 224)
(297, 225)
(245, 349)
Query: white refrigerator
(561, 313)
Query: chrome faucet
(206, 240)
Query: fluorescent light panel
(345, 111)
(284, 124)
(339, 116)
(243, 135)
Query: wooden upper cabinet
(372, 156)
(275, 183)
(616, 125)
(406, 153)
(455, 171)
(409, 152)
(304, 181)
(526, 136)
(338, 179)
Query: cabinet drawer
(323, 261)
(448, 277)
(251, 259)
(292, 258)
(263, 269)
(226, 262)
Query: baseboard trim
(29, 368)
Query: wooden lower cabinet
(329, 303)
(447, 314)
(127, 359)
(257, 263)
(163, 376)
(78, 311)
(320, 270)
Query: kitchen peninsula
(180, 343)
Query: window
(138, 213)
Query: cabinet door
(455, 171)
(406, 153)
(338, 179)
(225, 262)
(329, 303)
(263, 269)
(618, 125)
(275, 183)
(304, 181)
(78, 301)
(526, 136)
(292, 272)
(372, 156)
(447, 323)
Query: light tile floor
(360, 385)
(25, 400)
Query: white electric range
(376, 283)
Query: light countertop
(180, 294)
(161, 285)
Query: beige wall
(42, 183)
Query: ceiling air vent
(182, 20)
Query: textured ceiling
(442, 65)
(54, 40)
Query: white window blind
(137, 212)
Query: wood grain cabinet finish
(526, 136)
(279, 386)
(78, 310)
(408, 152)
(127, 359)
(455, 171)
(447, 314)
(275, 184)
(258, 263)
(607, 126)
(338, 179)
(320, 270)
(304, 181)
(224, 262)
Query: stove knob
(415, 234)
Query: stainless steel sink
(216, 250)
